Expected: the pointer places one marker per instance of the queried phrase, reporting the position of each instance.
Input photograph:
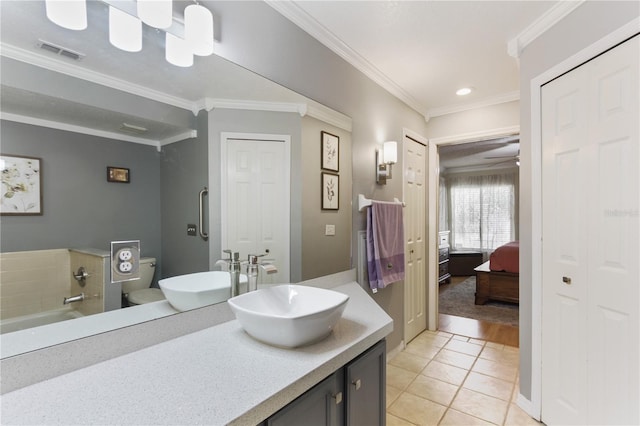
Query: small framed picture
(118, 174)
(330, 151)
(330, 191)
(21, 193)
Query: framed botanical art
(330, 151)
(21, 185)
(330, 191)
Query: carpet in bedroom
(459, 299)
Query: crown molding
(76, 129)
(302, 19)
(494, 100)
(189, 134)
(541, 25)
(330, 116)
(209, 104)
(318, 111)
(76, 71)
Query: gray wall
(321, 254)
(584, 26)
(184, 172)
(255, 36)
(80, 208)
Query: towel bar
(365, 202)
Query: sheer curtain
(482, 210)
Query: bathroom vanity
(220, 375)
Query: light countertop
(215, 376)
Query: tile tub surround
(218, 375)
(33, 281)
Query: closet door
(591, 234)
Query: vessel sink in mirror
(191, 291)
(289, 315)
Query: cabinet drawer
(443, 268)
(443, 254)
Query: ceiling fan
(506, 158)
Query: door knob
(566, 280)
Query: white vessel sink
(289, 315)
(190, 291)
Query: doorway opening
(477, 214)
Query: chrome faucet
(234, 270)
(252, 271)
(78, 298)
(253, 268)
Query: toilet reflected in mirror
(139, 292)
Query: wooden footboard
(492, 285)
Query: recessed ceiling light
(463, 91)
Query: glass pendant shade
(177, 51)
(156, 13)
(125, 31)
(390, 152)
(70, 14)
(198, 29)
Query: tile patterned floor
(446, 379)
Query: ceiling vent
(130, 128)
(60, 51)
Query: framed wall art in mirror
(330, 191)
(118, 174)
(330, 151)
(21, 185)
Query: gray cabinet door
(322, 406)
(366, 388)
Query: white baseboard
(395, 351)
(527, 407)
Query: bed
(498, 278)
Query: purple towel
(385, 244)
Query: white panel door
(256, 209)
(415, 282)
(591, 234)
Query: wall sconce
(385, 158)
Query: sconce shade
(70, 14)
(198, 29)
(156, 13)
(390, 152)
(125, 31)
(177, 51)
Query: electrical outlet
(125, 266)
(125, 254)
(329, 230)
(125, 260)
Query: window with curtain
(482, 210)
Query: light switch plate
(329, 230)
(125, 260)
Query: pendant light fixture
(125, 25)
(125, 31)
(156, 13)
(198, 29)
(177, 51)
(70, 14)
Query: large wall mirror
(79, 105)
